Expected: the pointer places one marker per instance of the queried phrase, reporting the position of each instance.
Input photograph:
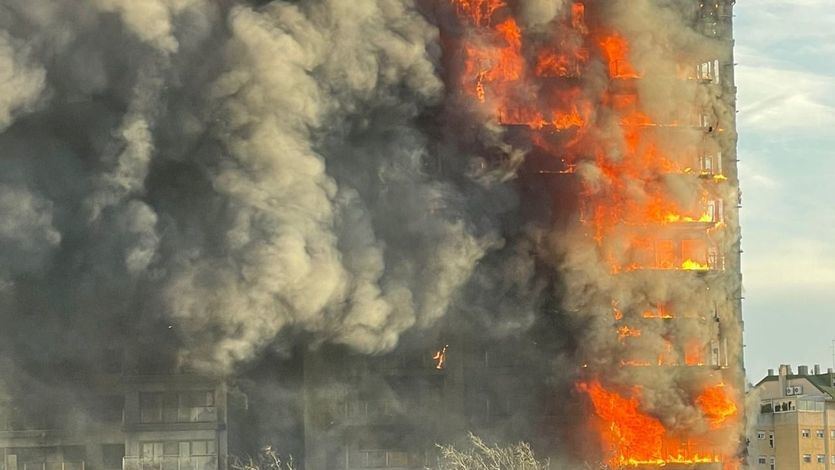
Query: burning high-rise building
(630, 104)
(617, 119)
(385, 222)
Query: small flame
(691, 265)
(440, 357)
(627, 332)
(659, 312)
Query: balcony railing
(195, 462)
(183, 414)
(52, 466)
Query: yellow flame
(692, 265)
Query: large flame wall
(631, 103)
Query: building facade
(795, 423)
(119, 421)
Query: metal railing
(52, 466)
(195, 462)
(183, 414)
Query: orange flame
(616, 50)
(716, 405)
(479, 12)
(631, 437)
(659, 312)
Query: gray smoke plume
(227, 172)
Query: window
(833, 459)
(832, 434)
(807, 458)
(708, 71)
(805, 433)
(819, 433)
(151, 451)
(182, 449)
(821, 458)
(772, 464)
(150, 407)
(112, 455)
(760, 434)
(183, 407)
(761, 460)
(771, 440)
(108, 409)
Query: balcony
(52, 466)
(195, 462)
(177, 407)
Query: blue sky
(785, 55)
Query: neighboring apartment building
(119, 420)
(795, 426)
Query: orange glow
(716, 405)
(691, 265)
(616, 312)
(631, 437)
(479, 12)
(578, 17)
(646, 201)
(616, 50)
(659, 312)
(440, 358)
(627, 332)
(694, 353)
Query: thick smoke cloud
(212, 174)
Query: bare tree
(267, 459)
(481, 456)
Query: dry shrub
(481, 456)
(267, 459)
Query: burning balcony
(633, 438)
(682, 254)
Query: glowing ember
(626, 332)
(440, 357)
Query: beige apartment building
(795, 427)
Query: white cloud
(788, 264)
(779, 99)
